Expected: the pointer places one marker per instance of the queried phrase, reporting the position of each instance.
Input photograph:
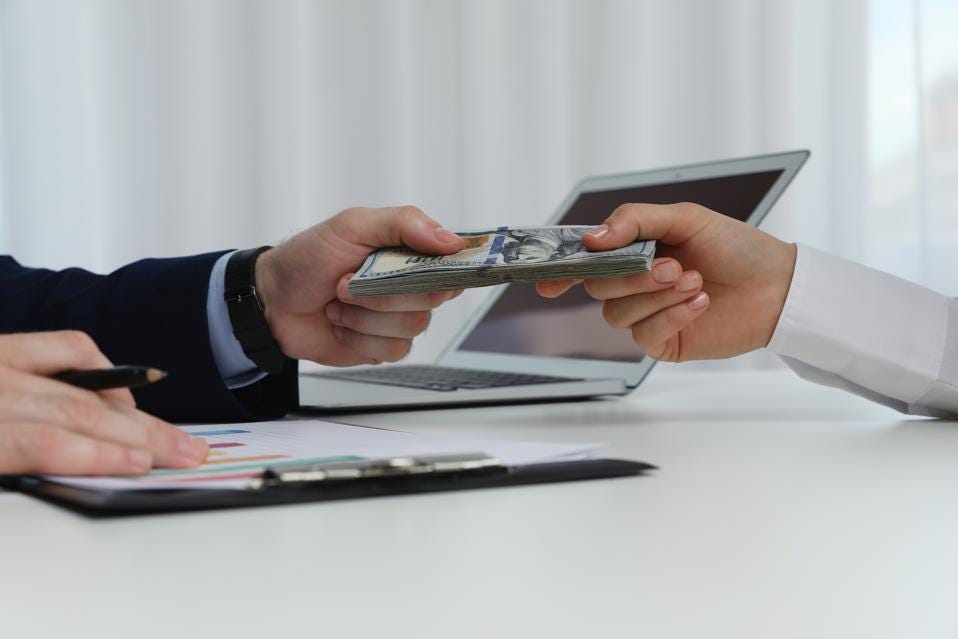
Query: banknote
(506, 254)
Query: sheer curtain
(913, 141)
(141, 127)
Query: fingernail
(699, 301)
(664, 273)
(200, 447)
(186, 447)
(689, 282)
(446, 236)
(338, 332)
(598, 231)
(334, 311)
(139, 458)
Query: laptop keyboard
(440, 378)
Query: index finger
(47, 353)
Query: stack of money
(507, 254)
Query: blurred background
(134, 128)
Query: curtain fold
(163, 127)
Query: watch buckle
(238, 294)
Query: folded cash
(524, 254)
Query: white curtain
(140, 127)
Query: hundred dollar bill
(507, 254)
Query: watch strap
(246, 312)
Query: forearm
(870, 333)
(151, 312)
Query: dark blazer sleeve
(151, 313)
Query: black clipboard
(382, 478)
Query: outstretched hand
(715, 290)
(303, 284)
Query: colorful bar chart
(223, 431)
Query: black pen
(117, 377)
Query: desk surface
(781, 509)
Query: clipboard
(328, 482)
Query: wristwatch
(246, 312)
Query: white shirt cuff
(236, 369)
(873, 329)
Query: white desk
(788, 510)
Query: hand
(48, 426)
(303, 286)
(717, 289)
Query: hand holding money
(521, 254)
(717, 289)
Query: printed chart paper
(240, 452)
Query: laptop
(520, 347)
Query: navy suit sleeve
(152, 313)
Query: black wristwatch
(246, 312)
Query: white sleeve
(870, 333)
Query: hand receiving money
(523, 254)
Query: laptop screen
(522, 323)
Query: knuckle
(142, 428)
(640, 335)
(437, 298)
(107, 456)
(352, 316)
(348, 337)
(676, 316)
(381, 302)
(81, 410)
(78, 341)
(688, 208)
(155, 424)
(409, 213)
(593, 288)
(612, 314)
(419, 322)
(399, 349)
(668, 352)
(629, 209)
(41, 443)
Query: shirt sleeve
(870, 333)
(236, 369)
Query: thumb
(401, 226)
(673, 224)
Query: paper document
(240, 452)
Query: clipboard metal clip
(430, 465)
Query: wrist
(247, 307)
(265, 281)
(782, 271)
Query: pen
(116, 377)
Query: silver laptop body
(519, 347)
